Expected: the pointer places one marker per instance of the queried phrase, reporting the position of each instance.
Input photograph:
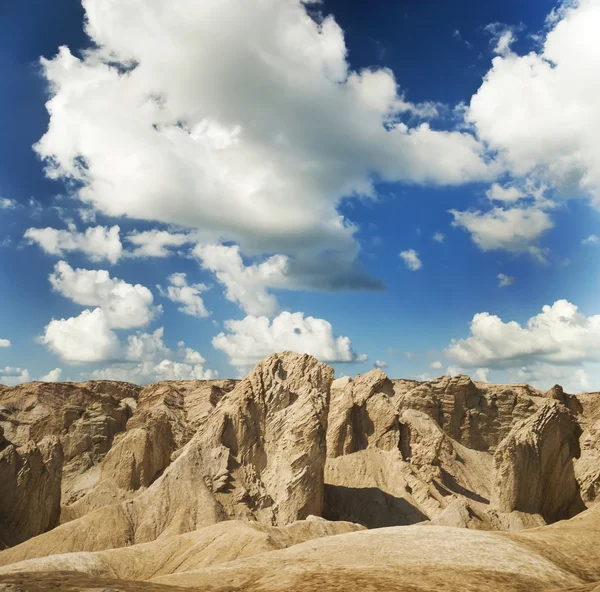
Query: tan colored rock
(205, 547)
(362, 415)
(264, 446)
(477, 415)
(30, 478)
(587, 466)
(534, 465)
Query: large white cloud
(98, 243)
(82, 339)
(246, 285)
(239, 117)
(124, 305)
(248, 341)
(560, 334)
(540, 110)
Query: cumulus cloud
(380, 364)
(248, 341)
(516, 230)
(52, 376)
(181, 292)
(505, 280)
(5, 343)
(439, 237)
(98, 243)
(240, 118)
(82, 339)
(11, 376)
(560, 334)
(246, 285)
(124, 305)
(148, 360)
(411, 259)
(539, 111)
(502, 38)
(435, 365)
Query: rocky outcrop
(30, 479)
(477, 415)
(361, 415)
(534, 466)
(264, 446)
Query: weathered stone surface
(362, 415)
(30, 477)
(264, 446)
(534, 465)
(478, 416)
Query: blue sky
(412, 185)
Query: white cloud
(246, 285)
(240, 118)
(98, 243)
(435, 365)
(505, 280)
(187, 294)
(502, 38)
(146, 347)
(150, 360)
(509, 193)
(411, 259)
(82, 339)
(52, 376)
(593, 239)
(5, 343)
(7, 204)
(439, 237)
(560, 334)
(250, 340)
(156, 243)
(380, 364)
(124, 305)
(481, 374)
(516, 230)
(12, 376)
(539, 111)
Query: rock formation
(534, 466)
(30, 479)
(197, 482)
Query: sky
(186, 188)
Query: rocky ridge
(103, 467)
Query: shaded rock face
(30, 480)
(264, 446)
(362, 415)
(534, 466)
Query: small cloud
(380, 364)
(7, 204)
(4, 342)
(411, 259)
(503, 37)
(410, 355)
(435, 365)
(439, 237)
(593, 239)
(52, 376)
(505, 280)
